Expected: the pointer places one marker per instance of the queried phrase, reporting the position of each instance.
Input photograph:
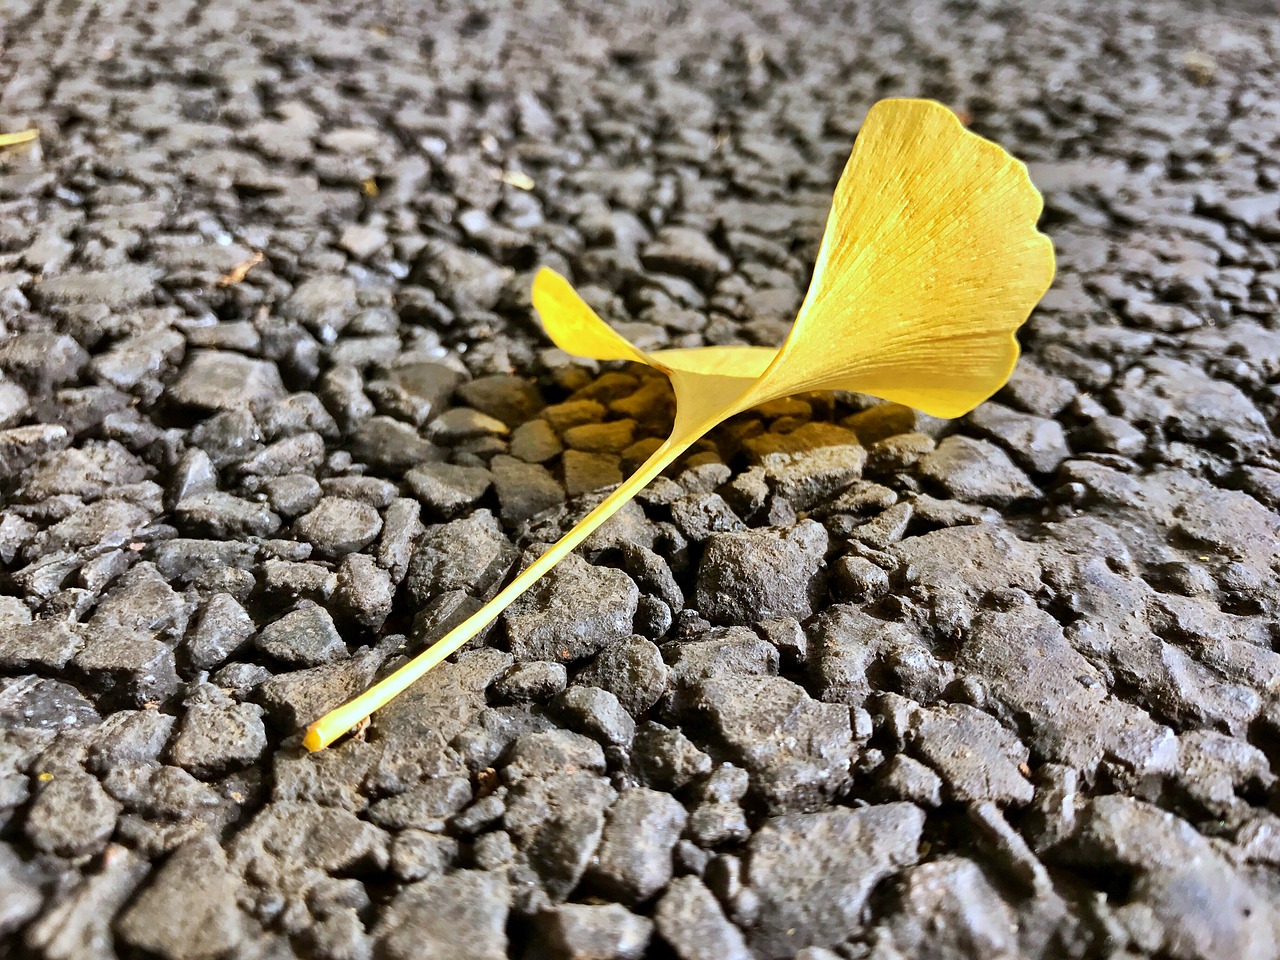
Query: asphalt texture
(847, 682)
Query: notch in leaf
(930, 262)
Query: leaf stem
(337, 722)
(22, 136)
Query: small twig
(240, 270)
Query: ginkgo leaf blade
(573, 326)
(748, 362)
(930, 262)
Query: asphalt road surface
(848, 682)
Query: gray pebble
(761, 574)
(305, 637)
(71, 815)
(337, 526)
(571, 613)
(578, 931)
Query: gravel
(848, 681)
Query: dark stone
(401, 526)
(33, 703)
(579, 931)
(1189, 404)
(1036, 443)
(699, 516)
(1031, 670)
(632, 670)
(512, 400)
(195, 475)
(685, 252)
(364, 593)
(286, 581)
(1195, 902)
(106, 523)
(541, 755)
(691, 922)
(976, 757)
(810, 464)
(228, 438)
(462, 423)
(1108, 434)
(811, 874)
(303, 451)
(41, 361)
(122, 286)
(20, 447)
(524, 489)
(950, 910)
(460, 915)
(294, 700)
(429, 385)
(713, 824)
(219, 380)
(633, 861)
(884, 420)
(1036, 391)
(130, 738)
(224, 516)
(415, 730)
(41, 644)
(977, 471)
(586, 473)
(218, 735)
(337, 526)
(341, 390)
(14, 403)
(324, 304)
(390, 446)
(221, 629)
(903, 778)
(572, 612)
(301, 412)
(427, 806)
(418, 855)
(286, 839)
(534, 680)
(471, 554)
(88, 472)
(666, 759)
(130, 665)
(760, 574)
(857, 578)
(652, 575)
(972, 559)
(798, 750)
(71, 815)
(81, 918)
(724, 652)
(188, 909)
(556, 819)
(447, 490)
(535, 442)
(598, 714)
(305, 637)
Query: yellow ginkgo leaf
(930, 262)
(14, 139)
